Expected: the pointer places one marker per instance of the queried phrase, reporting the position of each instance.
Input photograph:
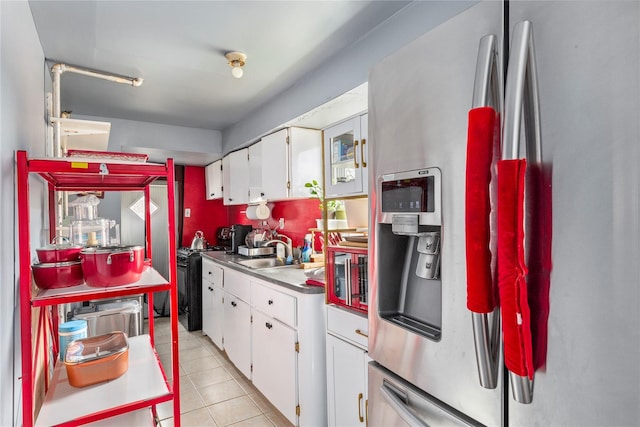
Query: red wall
(299, 216)
(208, 215)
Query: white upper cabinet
(346, 159)
(305, 148)
(235, 177)
(274, 168)
(256, 192)
(282, 162)
(213, 180)
(275, 165)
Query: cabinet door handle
(210, 288)
(359, 332)
(364, 163)
(355, 154)
(270, 302)
(233, 304)
(366, 412)
(360, 417)
(209, 272)
(268, 325)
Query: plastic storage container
(91, 232)
(85, 207)
(71, 331)
(97, 359)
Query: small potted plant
(315, 190)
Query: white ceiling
(178, 48)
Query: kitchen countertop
(290, 277)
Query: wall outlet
(187, 213)
(281, 224)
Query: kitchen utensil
(197, 243)
(255, 238)
(238, 236)
(97, 359)
(59, 252)
(112, 265)
(57, 274)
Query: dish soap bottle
(306, 251)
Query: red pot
(112, 265)
(57, 275)
(59, 252)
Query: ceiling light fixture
(236, 61)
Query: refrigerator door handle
(400, 406)
(486, 90)
(486, 333)
(522, 94)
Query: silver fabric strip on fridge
(522, 93)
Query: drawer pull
(268, 325)
(359, 332)
(270, 302)
(233, 304)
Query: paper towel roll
(259, 211)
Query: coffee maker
(238, 234)
(223, 239)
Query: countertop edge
(227, 261)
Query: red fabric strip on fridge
(512, 270)
(481, 142)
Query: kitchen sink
(257, 263)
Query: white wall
(346, 71)
(22, 126)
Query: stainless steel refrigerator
(557, 341)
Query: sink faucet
(283, 240)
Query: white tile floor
(212, 391)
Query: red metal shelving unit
(145, 384)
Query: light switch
(187, 212)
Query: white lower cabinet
(275, 336)
(237, 333)
(237, 320)
(213, 306)
(275, 363)
(347, 360)
(212, 302)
